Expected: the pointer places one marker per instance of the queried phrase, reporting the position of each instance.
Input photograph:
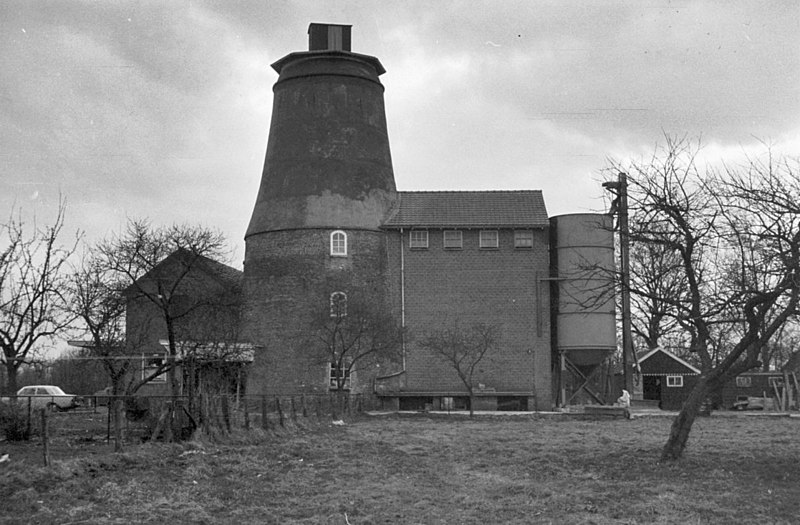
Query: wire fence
(129, 420)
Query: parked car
(46, 396)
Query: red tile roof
(467, 209)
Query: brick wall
(288, 275)
(203, 309)
(492, 286)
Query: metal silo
(584, 308)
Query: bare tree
(156, 266)
(31, 283)
(736, 235)
(353, 331)
(783, 350)
(464, 348)
(211, 349)
(75, 374)
(656, 279)
(96, 301)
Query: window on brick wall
(338, 373)
(452, 239)
(339, 244)
(418, 239)
(338, 304)
(674, 381)
(523, 239)
(489, 239)
(775, 382)
(743, 381)
(151, 363)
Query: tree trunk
(116, 406)
(172, 375)
(471, 404)
(765, 358)
(11, 375)
(682, 425)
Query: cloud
(144, 113)
(162, 110)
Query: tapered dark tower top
(328, 163)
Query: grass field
(428, 470)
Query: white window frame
(348, 377)
(675, 381)
(523, 235)
(451, 244)
(489, 239)
(744, 381)
(338, 304)
(775, 382)
(338, 244)
(421, 240)
(148, 368)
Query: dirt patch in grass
(425, 470)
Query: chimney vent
(328, 37)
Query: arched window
(339, 244)
(338, 304)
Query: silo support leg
(585, 384)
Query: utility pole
(619, 207)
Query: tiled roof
(467, 209)
(226, 275)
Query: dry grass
(426, 470)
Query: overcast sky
(161, 109)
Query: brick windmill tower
(326, 187)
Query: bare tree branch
(32, 306)
(464, 349)
(732, 237)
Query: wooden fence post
(226, 413)
(264, 420)
(303, 405)
(294, 410)
(333, 407)
(246, 414)
(29, 421)
(109, 412)
(280, 411)
(45, 438)
(168, 437)
(117, 404)
(204, 412)
(787, 391)
(162, 418)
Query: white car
(46, 396)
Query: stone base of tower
(290, 279)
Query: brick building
(330, 236)
(201, 297)
(328, 223)
(471, 257)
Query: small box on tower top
(329, 37)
